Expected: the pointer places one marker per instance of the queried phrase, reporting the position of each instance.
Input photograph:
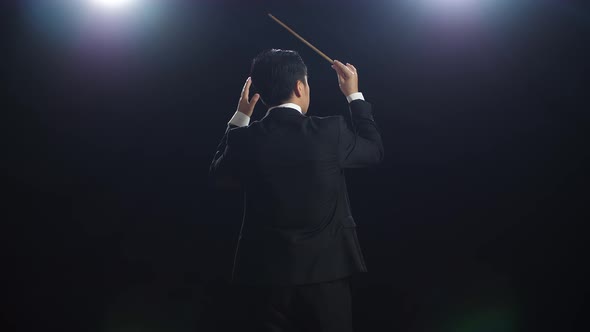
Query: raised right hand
(347, 77)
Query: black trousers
(320, 307)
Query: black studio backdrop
(473, 222)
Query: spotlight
(454, 2)
(452, 5)
(113, 5)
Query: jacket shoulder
(235, 135)
(237, 131)
(327, 121)
(331, 125)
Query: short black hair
(275, 74)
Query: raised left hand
(244, 105)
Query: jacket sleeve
(359, 141)
(224, 167)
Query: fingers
(254, 100)
(351, 67)
(246, 89)
(347, 77)
(343, 70)
(339, 67)
(246, 105)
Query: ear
(299, 89)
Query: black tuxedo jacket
(297, 226)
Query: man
(298, 245)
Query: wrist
(245, 113)
(240, 119)
(355, 96)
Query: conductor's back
(298, 228)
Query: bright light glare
(99, 29)
(454, 2)
(113, 4)
(454, 7)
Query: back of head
(275, 73)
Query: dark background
(472, 223)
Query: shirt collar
(287, 105)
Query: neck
(289, 105)
(295, 101)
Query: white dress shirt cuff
(355, 96)
(239, 119)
